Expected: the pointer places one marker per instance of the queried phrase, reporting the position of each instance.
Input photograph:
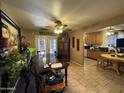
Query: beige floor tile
(93, 79)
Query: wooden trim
(6, 18)
(3, 25)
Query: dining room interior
(61, 46)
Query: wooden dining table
(39, 66)
(114, 59)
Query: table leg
(66, 75)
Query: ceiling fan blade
(43, 29)
(55, 20)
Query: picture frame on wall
(78, 44)
(73, 42)
(11, 31)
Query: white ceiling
(33, 14)
(113, 28)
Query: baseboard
(76, 63)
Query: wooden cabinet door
(64, 49)
(89, 38)
(94, 38)
(88, 54)
(96, 55)
(93, 54)
(98, 38)
(86, 39)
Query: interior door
(42, 46)
(46, 44)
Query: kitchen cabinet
(98, 38)
(94, 38)
(94, 54)
(89, 39)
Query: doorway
(47, 48)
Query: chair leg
(99, 62)
(115, 66)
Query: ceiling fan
(58, 22)
(58, 28)
(113, 30)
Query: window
(112, 40)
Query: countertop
(96, 50)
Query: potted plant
(15, 62)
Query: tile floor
(93, 79)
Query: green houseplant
(15, 62)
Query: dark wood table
(39, 68)
(65, 67)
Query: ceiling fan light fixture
(108, 33)
(61, 26)
(55, 31)
(58, 31)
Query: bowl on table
(120, 54)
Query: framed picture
(73, 42)
(78, 44)
(10, 30)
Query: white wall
(77, 56)
(105, 38)
(5, 8)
